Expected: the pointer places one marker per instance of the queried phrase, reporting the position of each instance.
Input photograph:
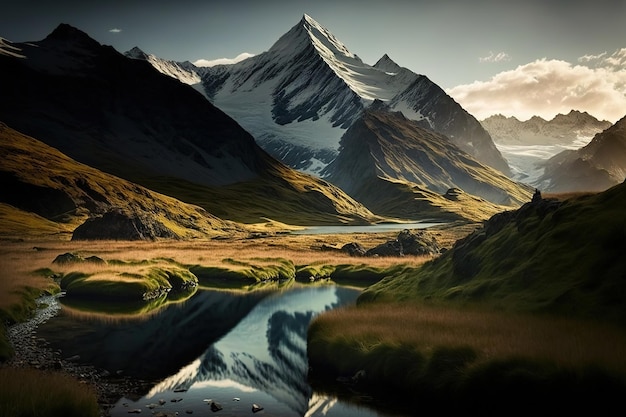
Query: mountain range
(389, 144)
(597, 166)
(299, 97)
(562, 129)
(122, 117)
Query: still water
(370, 228)
(232, 349)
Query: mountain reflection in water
(263, 360)
(234, 349)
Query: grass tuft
(56, 394)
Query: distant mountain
(300, 96)
(397, 168)
(47, 193)
(562, 129)
(185, 72)
(121, 116)
(595, 167)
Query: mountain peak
(136, 53)
(385, 63)
(323, 40)
(67, 32)
(70, 35)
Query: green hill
(547, 256)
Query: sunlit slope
(397, 168)
(47, 193)
(281, 194)
(548, 256)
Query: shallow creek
(219, 351)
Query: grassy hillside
(531, 305)
(549, 256)
(282, 194)
(47, 192)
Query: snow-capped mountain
(562, 129)
(123, 117)
(299, 97)
(186, 72)
(529, 144)
(595, 167)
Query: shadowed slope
(45, 192)
(121, 116)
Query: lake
(374, 228)
(234, 349)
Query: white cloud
(493, 57)
(222, 61)
(547, 87)
(115, 30)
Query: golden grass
(19, 260)
(492, 335)
(57, 394)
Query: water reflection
(230, 349)
(265, 352)
(154, 347)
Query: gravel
(34, 352)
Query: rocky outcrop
(419, 243)
(118, 225)
(69, 257)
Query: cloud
(115, 30)
(546, 88)
(222, 61)
(493, 57)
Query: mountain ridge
(385, 154)
(298, 97)
(123, 117)
(563, 128)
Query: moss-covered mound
(548, 256)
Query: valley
(172, 214)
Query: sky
(516, 58)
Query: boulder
(418, 243)
(120, 225)
(353, 249)
(389, 248)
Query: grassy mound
(466, 360)
(550, 281)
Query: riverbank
(28, 270)
(33, 353)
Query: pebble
(33, 352)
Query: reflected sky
(262, 360)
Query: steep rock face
(300, 96)
(562, 129)
(383, 145)
(595, 167)
(426, 102)
(123, 117)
